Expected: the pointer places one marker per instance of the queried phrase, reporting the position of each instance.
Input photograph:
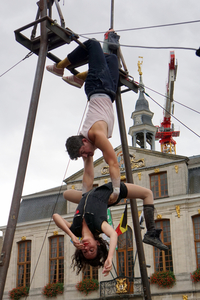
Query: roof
(35, 208)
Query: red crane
(166, 131)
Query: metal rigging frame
(53, 36)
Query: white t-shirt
(100, 109)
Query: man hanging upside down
(101, 84)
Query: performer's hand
(107, 267)
(77, 243)
(113, 198)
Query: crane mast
(166, 131)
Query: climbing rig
(58, 35)
(53, 36)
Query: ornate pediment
(135, 163)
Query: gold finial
(176, 168)
(139, 65)
(178, 210)
(23, 238)
(159, 216)
(55, 232)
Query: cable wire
(144, 47)
(172, 115)
(148, 27)
(192, 109)
(27, 56)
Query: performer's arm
(65, 226)
(88, 174)
(110, 157)
(111, 233)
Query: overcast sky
(61, 106)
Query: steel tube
(112, 15)
(134, 211)
(15, 205)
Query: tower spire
(143, 131)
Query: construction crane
(166, 131)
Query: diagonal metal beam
(134, 211)
(17, 194)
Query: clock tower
(143, 131)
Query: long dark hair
(79, 262)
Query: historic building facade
(41, 253)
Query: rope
(145, 47)
(27, 56)
(53, 210)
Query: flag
(141, 219)
(109, 219)
(122, 227)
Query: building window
(125, 263)
(90, 272)
(158, 185)
(196, 227)
(56, 259)
(24, 263)
(125, 253)
(163, 259)
(193, 179)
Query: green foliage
(87, 285)
(17, 293)
(53, 289)
(195, 276)
(164, 279)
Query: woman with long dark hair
(90, 220)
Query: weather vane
(139, 65)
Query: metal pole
(134, 211)
(14, 210)
(112, 14)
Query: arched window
(163, 259)
(196, 227)
(56, 259)
(24, 263)
(125, 254)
